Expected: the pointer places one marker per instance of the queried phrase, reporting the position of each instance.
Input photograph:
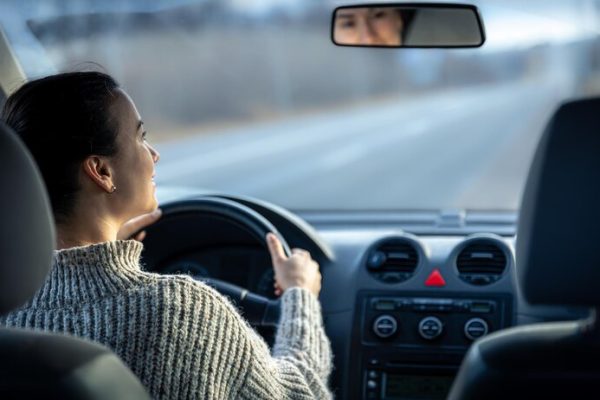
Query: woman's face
(368, 26)
(133, 165)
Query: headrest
(558, 240)
(26, 224)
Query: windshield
(253, 98)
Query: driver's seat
(36, 364)
(558, 263)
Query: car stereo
(410, 346)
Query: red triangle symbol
(435, 279)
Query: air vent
(481, 263)
(393, 260)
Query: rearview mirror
(407, 25)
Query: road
(467, 148)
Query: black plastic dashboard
(370, 361)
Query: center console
(410, 346)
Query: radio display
(416, 387)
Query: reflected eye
(346, 24)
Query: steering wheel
(257, 309)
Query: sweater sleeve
(300, 363)
(224, 357)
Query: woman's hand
(298, 270)
(135, 224)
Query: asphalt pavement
(467, 148)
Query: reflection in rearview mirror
(415, 25)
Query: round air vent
(481, 262)
(393, 260)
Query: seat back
(557, 264)
(36, 364)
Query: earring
(112, 190)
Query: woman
(181, 338)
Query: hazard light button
(435, 279)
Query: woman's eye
(347, 24)
(144, 135)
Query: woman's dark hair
(63, 119)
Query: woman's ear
(98, 169)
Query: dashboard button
(476, 328)
(430, 328)
(385, 326)
(435, 279)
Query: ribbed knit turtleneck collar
(82, 274)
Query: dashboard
(414, 316)
(402, 298)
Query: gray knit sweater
(180, 337)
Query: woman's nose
(155, 154)
(366, 35)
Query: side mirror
(420, 25)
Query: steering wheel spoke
(258, 310)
